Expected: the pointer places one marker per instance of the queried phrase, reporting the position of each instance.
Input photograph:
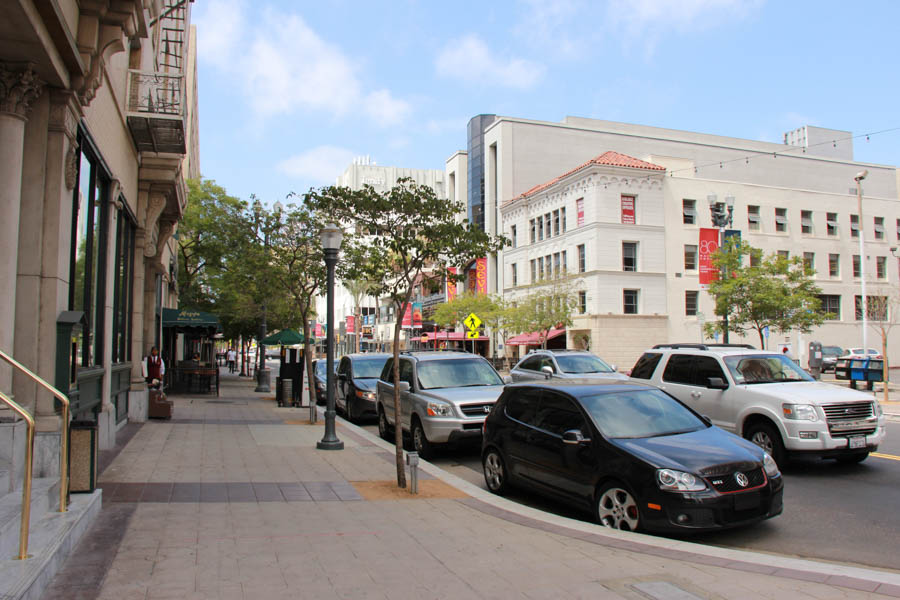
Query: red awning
(453, 336)
(533, 338)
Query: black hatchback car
(634, 455)
(357, 375)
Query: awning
(533, 338)
(190, 320)
(452, 336)
(285, 337)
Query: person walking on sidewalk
(232, 359)
(153, 368)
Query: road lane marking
(887, 456)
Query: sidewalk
(230, 499)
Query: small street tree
(547, 307)
(401, 234)
(882, 315)
(763, 291)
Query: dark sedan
(357, 375)
(319, 373)
(635, 456)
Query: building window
(533, 270)
(548, 264)
(784, 254)
(512, 235)
(515, 275)
(629, 256)
(532, 231)
(830, 303)
(806, 222)
(834, 265)
(876, 308)
(689, 211)
(582, 302)
(540, 267)
(856, 266)
(898, 229)
(809, 261)
(854, 225)
(547, 224)
(690, 258)
(122, 291)
(879, 228)
(753, 218)
(781, 220)
(565, 263)
(881, 267)
(831, 224)
(540, 226)
(556, 222)
(562, 218)
(582, 259)
(630, 302)
(690, 302)
(556, 264)
(754, 260)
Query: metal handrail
(63, 430)
(26, 487)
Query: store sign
(481, 276)
(417, 315)
(351, 322)
(406, 322)
(579, 207)
(709, 243)
(318, 330)
(628, 210)
(451, 286)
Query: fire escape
(155, 104)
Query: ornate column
(19, 86)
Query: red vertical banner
(407, 322)
(628, 210)
(481, 276)
(318, 330)
(351, 324)
(579, 207)
(451, 286)
(709, 243)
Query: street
(844, 513)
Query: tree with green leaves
(763, 291)
(548, 306)
(401, 235)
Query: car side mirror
(716, 383)
(403, 386)
(574, 436)
(507, 379)
(614, 368)
(547, 371)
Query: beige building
(98, 130)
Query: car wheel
(384, 430)
(348, 409)
(767, 437)
(495, 472)
(616, 507)
(420, 441)
(852, 459)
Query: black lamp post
(263, 373)
(331, 237)
(722, 217)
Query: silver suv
(563, 364)
(444, 397)
(766, 398)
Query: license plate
(857, 442)
(746, 501)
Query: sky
(291, 91)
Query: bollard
(412, 459)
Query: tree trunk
(311, 377)
(762, 343)
(398, 427)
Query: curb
(857, 578)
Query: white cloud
(320, 165)
(281, 65)
(469, 59)
(681, 15)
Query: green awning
(188, 319)
(285, 337)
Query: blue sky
(291, 91)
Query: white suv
(766, 398)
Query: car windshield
(640, 414)
(765, 368)
(582, 363)
(368, 368)
(459, 372)
(832, 350)
(320, 368)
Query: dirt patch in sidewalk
(304, 422)
(429, 489)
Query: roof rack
(703, 346)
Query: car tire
(616, 507)
(852, 459)
(384, 428)
(420, 441)
(767, 437)
(495, 474)
(348, 409)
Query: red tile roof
(613, 159)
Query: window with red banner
(628, 209)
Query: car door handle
(696, 394)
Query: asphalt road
(842, 513)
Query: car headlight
(439, 409)
(800, 412)
(365, 395)
(770, 465)
(679, 481)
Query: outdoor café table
(200, 375)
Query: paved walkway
(230, 499)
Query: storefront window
(122, 302)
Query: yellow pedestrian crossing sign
(472, 334)
(472, 321)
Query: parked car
(356, 378)
(766, 398)
(444, 397)
(320, 366)
(830, 355)
(563, 364)
(634, 455)
(861, 353)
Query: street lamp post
(862, 261)
(331, 237)
(722, 218)
(263, 373)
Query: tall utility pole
(862, 262)
(722, 217)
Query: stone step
(52, 539)
(44, 497)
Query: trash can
(287, 391)
(83, 456)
